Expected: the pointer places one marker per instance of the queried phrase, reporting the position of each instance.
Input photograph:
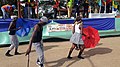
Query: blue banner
(98, 23)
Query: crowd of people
(72, 7)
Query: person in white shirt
(76, 38)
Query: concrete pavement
(105, 54)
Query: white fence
(102, 15)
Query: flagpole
(112, 6)
(100, 6)
(19, 9)
(105, 8)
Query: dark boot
(80, 57)
(70, 52)
(16, 53)
(8, 53)
(41, 65)
(80, 53)
(69, 55)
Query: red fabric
(103, 2)
(108, 1)
(92, 37)
(56, 4)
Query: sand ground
(105, 54)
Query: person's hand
(28, 51)
(84, 34)
(19, 28)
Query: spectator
(86, 6)
(69, 7)
(56, 8)
(33, 5)
(7, 10)
(77, 6)
(27, 9)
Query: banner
(62, 28)
(98, 23)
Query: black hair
(78, 18)
(14, 19)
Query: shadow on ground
(87, 55)
(45, 40)
(96, 51)
(45, 48)
(61, 61)
(55, 40)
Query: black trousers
(85, 14)
(76, 10)
(55, 13)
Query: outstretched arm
(31, 40)
(10, 27)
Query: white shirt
(77, 30)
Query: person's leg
(40, 52)
(78, 11)
(16, 45)
(84, 14)
(26, 12)
(70, 52)
(3, 11)
(68, 12)
(77, 46)
(33, 13)
(87, 14)
(75, 12)
(81, 51)
(8, 15)
(55, 13)
(11, 46)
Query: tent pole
(37, 8)
(19, 13)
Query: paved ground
(106, 54)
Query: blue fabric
(4, 24)
(63, 21)
(24, 31)
(8, 7)
(98, 23)
(100, 3)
